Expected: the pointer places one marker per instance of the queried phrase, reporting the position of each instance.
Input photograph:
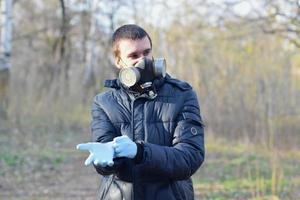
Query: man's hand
(100, 153)
(124, 147)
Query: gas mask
(143, 73)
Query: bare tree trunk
(89, 78)
(4, 83)
(5, 54)
(64, 60)
(59, 72)
(63, 29)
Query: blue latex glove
(100, 153)
(124, 147)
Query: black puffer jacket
(171, 130)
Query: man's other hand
(124, 147)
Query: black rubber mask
(143, 73)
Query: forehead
(128, 46)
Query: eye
(134, 56)
(147, 52)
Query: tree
(279, 17)
(5, 54)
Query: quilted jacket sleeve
(103, 131)
(181, 160)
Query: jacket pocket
(183, 190)
(176, 190)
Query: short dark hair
(128, 31)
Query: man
(153, 131)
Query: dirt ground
(71, 180)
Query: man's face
(132, 51)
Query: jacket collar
(113, 83)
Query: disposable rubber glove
(124, 147)
(100, 153)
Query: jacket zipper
(133, 99)
(145, 125)
(133, 138)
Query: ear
(117, 62)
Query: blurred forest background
(242, 58)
